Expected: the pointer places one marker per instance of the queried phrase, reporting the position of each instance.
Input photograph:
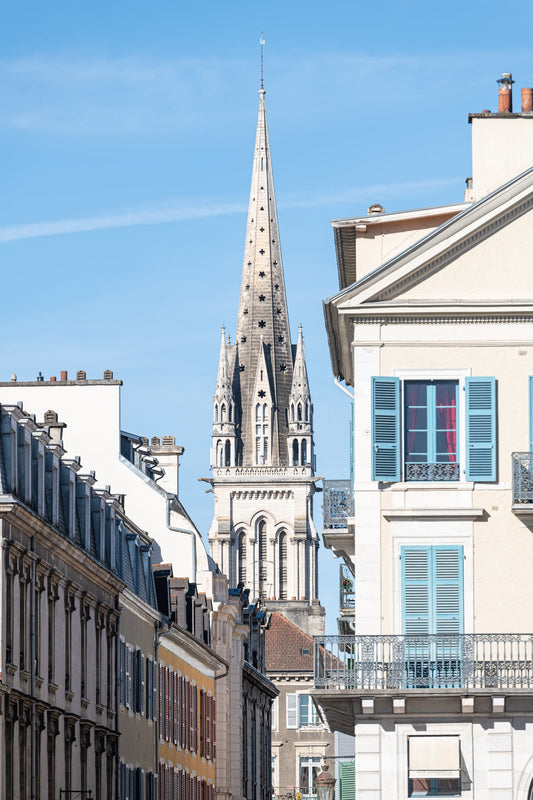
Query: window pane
(446, 418)
(446, 447)
(416, 446)
(417, 419)
(445, 392)
(415, 393)
(304, 710)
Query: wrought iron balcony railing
(468, 661)
(347, 589)
(522, 478)
(444, 471)
(338, 503)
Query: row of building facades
(115, 675)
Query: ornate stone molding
(262, 494)
(432, 319)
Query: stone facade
(437, 343)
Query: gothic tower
(262, 456)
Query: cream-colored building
(433, 329)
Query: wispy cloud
(95, 94)
(182, 211)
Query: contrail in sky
(177, 213)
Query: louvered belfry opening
(263, 566)
(282, 567)
(241, 557)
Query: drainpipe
(188, 532)
(339, 385)
(117, 699)
(159, 632)
(32, 675)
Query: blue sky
(126, 139)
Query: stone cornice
(417, 318)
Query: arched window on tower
(227, 453)
(282, 566)
(261, 433)
(262, 547)
(307, 412)
(223, 413)
(216, 412)
(230, 412)
(292, 412)
(304, 452)
(295, 452)
(241, 557)
(220, 454)
(299, 412)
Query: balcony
(346, 590)
(476, 661)
(338, 504)
(523, 483)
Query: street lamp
(324, 785)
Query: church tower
(262, 458)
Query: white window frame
(458, 375)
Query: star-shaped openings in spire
(262, 274)
(261, 323)
(262, 393)
(262, 298)
(262, 252)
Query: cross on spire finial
(262, 43)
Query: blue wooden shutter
(531, 414)
(480, 429)
(448, 589)
(386, 429)
(416, 586)
(347, 780)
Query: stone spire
(300, 410)
(223, 450)
(263, 316)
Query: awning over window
(434, 757)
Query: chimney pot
(81, 375)
(108, 375)
(13, 378)
(527, 100)
(53, 378)
(64, 375)
(505, 93)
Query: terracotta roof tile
(287, 647)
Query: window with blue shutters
(386, 429)
(416, 429)
(480, 405)
(432, 614)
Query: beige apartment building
(433, 330)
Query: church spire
(223, 449)
(300, 410)
(263, 315)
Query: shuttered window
(386, 429)
(292, 710)
(347, 780)
(432, 589)
(480, 403)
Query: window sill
(433, 513)
(402, 486)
